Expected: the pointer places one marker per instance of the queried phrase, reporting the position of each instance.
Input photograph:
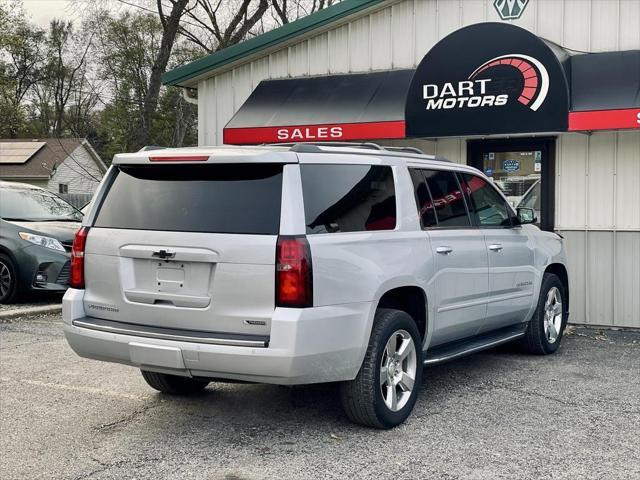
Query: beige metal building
(578, 163)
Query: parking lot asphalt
(26, 303)
(498, 414)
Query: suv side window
(488, 206)
(447, 198)
(426, 209)
(348, 198)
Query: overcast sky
(43, 11)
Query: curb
(56, 307)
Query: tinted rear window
(447, 198)
(204, 198)
(348, 198)
(423, 197)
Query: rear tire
(174, 384)
(390, 374)
(544, 332)
(8, 280)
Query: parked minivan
(308, 263)
(36, 233)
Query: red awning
(605, 91)
(329, 108)
(603, 94)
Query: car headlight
(46, 242)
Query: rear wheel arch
(560, 271)
(7, 253)
(411, 300)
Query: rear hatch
(187, 245)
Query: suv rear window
(440, 199)
(195, 198)
(348, 198)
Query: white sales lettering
(309, 133)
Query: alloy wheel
(553, 314)
(5, 279)
(398, 370)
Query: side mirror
(526, 215)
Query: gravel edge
(20, 312)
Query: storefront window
(522, 169)
(515, 173)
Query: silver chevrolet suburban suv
(308, 263)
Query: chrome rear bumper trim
(211, 338)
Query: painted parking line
(74, 388)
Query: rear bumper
(322, 344)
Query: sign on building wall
(485, 79)
(488, 78)
(510, 9)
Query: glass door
(522, 169)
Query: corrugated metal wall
(598, 176)
(598, 213)
(604, 270)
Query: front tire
(8, 280)
(174, 384)
(544, 333)
(385, 390)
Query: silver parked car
(308, 263)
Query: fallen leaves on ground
(600, 335)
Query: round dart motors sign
(487, 79)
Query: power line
(182, 20)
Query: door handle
(444, 250)
(496, 247)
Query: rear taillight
(294, 277)
(76, 278)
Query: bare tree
(21, 57)
(217, 24)
(287, 11)
(63, 69)
(170, 27)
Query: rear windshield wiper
(18, 219)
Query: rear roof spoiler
(208, 155)
(267, 153)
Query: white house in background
(66, 166)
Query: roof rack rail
(441, 159)
(314, 146)
(406, 149)
(369, 145)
